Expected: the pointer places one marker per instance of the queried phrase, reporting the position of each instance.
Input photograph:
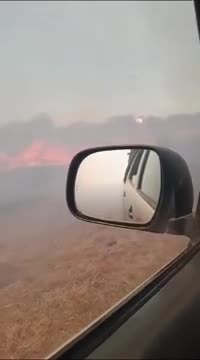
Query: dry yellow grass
(58, 275)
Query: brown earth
(58, 274)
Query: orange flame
(37, 154)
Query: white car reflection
(142, 185)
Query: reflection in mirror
(119, 185)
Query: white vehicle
(142, 185)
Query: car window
(151, 178)
(74, 75)
(131, 156)
(136, 177)
(135, 166)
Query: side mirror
(141, 187)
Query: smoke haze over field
(40, 143)
(79, 74)
(40, 133)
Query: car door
(142, 187)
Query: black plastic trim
(197, 12)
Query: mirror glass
(119, 185)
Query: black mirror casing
(176, 198)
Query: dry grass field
(58, 274)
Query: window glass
(135, 167)
(74, 75)
(136, 178)
(151, 178)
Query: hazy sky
(89, 60)
(102, 168)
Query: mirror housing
(174, 209)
